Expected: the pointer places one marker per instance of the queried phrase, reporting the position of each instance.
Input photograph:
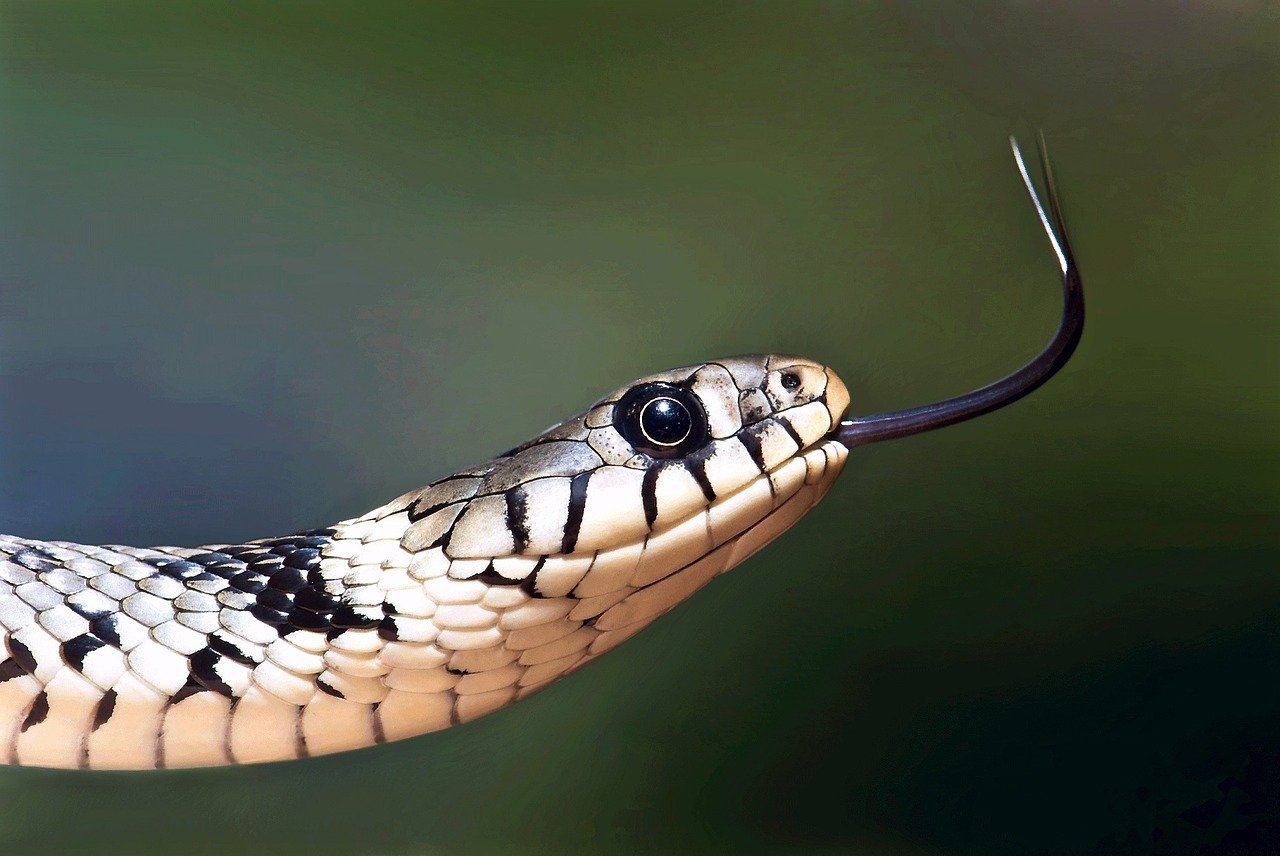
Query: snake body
(444, 604)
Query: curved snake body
(451, 601)
(442, 605)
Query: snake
(453, 600)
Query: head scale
(685, 468)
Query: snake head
(662, 484)
(451, 601)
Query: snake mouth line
(792, 487)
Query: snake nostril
(790, 381)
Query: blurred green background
(264, 266)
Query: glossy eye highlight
(661, 420)
(665, 422)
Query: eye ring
(661, 420)
(665, 422)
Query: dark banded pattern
(451, 601)
(444, 604)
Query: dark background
(265, 266)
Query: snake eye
(662, 420)
(665, 422)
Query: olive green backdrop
(265, 266)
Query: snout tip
(837, 398)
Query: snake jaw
(581, 487)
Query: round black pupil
(790, 380)
(665, 421)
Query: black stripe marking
(21, 654)
(649, 495)
(11, 668)
(755, 447)
(417, 510)
(735, 538)
(443, 541)
(327, 688)
(379, 734)
(75, 650)
(314, 600)
(229, 650)
(268, 616)
(250, 582)
(226, 732)
(190, 688)
(753, 440)
(698, 468)
(178, 569)
(350, 617)
(518, 517)
(104, 627)
(38, 711)
(421, 507)
(786, 426)
(303, 558)
(201, 664)
(85, 612)
(577, 505)
(300, 738)
(277, 600)
(106, 707)
(490, 577)
(287, 579)
(529, 585)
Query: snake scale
(450, 601)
